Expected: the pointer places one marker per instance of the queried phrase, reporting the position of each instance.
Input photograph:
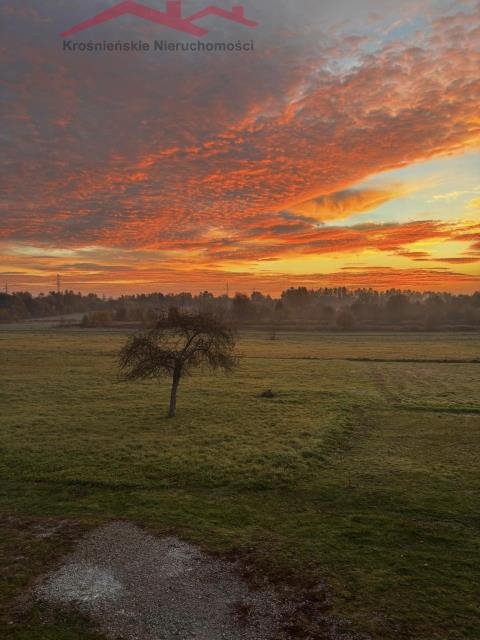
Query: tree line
(325, 308)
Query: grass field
(361, 473)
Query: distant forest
(327, 309)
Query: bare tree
(178, 343)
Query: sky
(342, 151)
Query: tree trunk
(173, 394)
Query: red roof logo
(171, 17)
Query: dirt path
(137, 586)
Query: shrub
(267, 394)
(97, 319)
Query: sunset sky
(343, 151)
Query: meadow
(358, 479)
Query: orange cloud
(460, 260)
(276, 237)
(209, 261)
(383, 278)
(201, 164)
(201, 279)
(343, 204)
(205, 148)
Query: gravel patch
(139, 587)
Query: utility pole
(6, 287)
(58, 283)
(228, 291)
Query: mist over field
(356, 471)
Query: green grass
(361, 473)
